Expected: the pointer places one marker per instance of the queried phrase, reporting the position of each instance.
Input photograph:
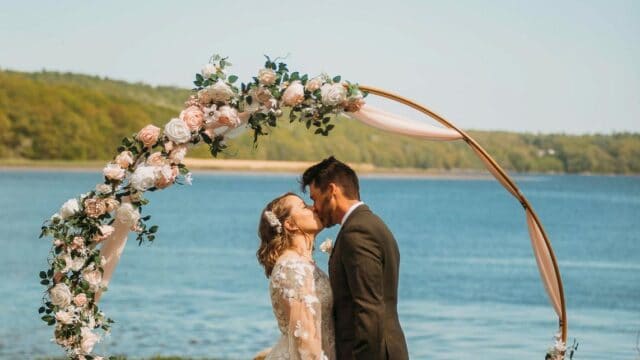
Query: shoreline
(261, 167)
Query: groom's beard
(325, 215)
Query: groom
(363, 267)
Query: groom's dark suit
(363, 269)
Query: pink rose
(156, 159)
(294, 94)
(227, 116)
(124, 159)
(314, 84)
(105, 232)
(77, 243)
(113, 172)
(94, 207)
(148, 135)
(80, 299)
(168, 146)
(193, 117)
(165, 176)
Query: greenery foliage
(49, 115)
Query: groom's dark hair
(332, 170)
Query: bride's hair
(274, 239)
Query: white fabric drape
(392, 123)
(111, 250)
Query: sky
(535, 66)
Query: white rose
(208, 70)
(77, 263)
(267, 76)
(113, 171)
(294, 94)
(103, 189)
(314, 84)
(93, 277)
(143, 178)
(220, 91)
(64, 317)
(177, 131)
(60, 295)
(89, 339)
(128, 215)
(326, 246)
(333, 94)
(69, 208)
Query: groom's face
(323, 204)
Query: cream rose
(89, 339)
(148, 135)
(113, 172)
(267, 76)
(78, 263)
(128, 215)
(203, 97)
(220, 91)
(177, 131)
(227, 116)
(177, 155)
(80, 299)
(143, 178)
(93, 277)
(124, 159)
(193, 117)
(69, 208)
(64, 317)
(60, 295)
(333, 94)
(294, 94)
(103, 189)
(314, 84)
(208, 70)
(68, 262)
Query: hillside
(49, 115)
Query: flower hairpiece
(273, 221)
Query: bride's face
(302, 215)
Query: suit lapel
(353, 214)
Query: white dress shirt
(346, 215)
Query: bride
(300, 291)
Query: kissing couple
(352, 312)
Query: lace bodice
(302, 303)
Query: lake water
(469, 286)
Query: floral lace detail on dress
(301, 298)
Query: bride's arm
(304, 311)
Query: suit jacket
(363, 269)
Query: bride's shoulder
(292, 261)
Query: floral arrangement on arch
(152, 159)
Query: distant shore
(199, 165)
(246, 166)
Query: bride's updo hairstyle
(274, 239)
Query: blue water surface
(469, 286)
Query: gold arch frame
(562, 321)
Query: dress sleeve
(302, 307)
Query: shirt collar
(346, 215)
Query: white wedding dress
(302, 303)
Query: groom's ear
(334, 190)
